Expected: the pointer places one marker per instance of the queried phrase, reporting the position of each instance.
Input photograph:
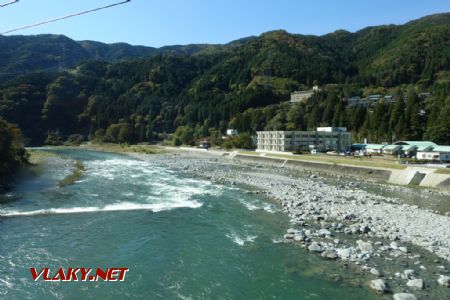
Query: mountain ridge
(238, 85)
(47, 52)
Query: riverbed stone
(416, 284)
(403, 249)
(444, 280)
(324, 232)
(299, 236)
(379, 285)
(375, 272)
(350, 216)
(315, 247)
(364, 246)
(292, 231)
(409, 274)
(346, 253)
(404, 296)
(330, 254)
(364, 229)
(288, 236)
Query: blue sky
(169, 22)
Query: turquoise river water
(180, 237)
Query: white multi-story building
(331, 139)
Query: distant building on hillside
(332, 129)
(423, 96)
(291, 141)
(303, 96)
(354, 101)
(232, 132)
(369, 101)
(389, 99)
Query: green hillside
(20, 55)
(203, 89)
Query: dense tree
(12, 153)
(119, 133)
(413, 124)
(245, 85)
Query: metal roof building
(436, 153)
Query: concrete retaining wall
(374, 174)
(410, 176)
(261, 159)
(444, 184)
(439, 180)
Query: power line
(9, 3)
(64, 17)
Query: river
(180, 237)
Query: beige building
(289, 141)
(302, 96)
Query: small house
(374, 148)
(204, 144)
(232, 132)
(392, 149)
(436, 153)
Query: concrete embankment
(377, 174)
(424, 177)
(420, 176)
(411, 175)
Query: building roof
(425, 147)
(441, 149)
(415, 143)
(303, 92)
(391, 147)
(375, 146)
(409, 147)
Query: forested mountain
(24, 54)
(200, 90)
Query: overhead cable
(8, 3)
(64, 17)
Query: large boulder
(346, 253)
(404, 296)
(330, 254)
(416, 283)
(379, 285)
(300, 236)
(315, 247)
(364, 246)
(444, 280)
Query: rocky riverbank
(400, 249)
